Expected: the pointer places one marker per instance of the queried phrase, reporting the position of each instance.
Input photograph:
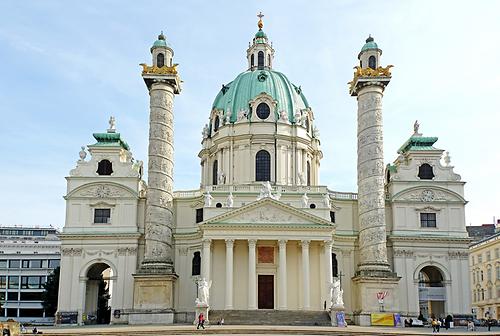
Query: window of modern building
(428, 220)
(215, 168)
(11, 312)
(260, 60)
(3, 281)
(199, 215)
(372, 62)
(32, 282)
(12, 296)
(3, 263)
(35, 263)
(54, 263)
(25, 264)
(263, 166)
(160, 60)
(425, 172)
(13, 282)
(45, 263)
(28, 312)
(14, 263)
(31, 296)
(263, 111)
(335, 266)
(196, 264)
(104, 167)
(102, 216)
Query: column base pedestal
(201, 308)
(153, 299)
(337, 319)
(367, 284)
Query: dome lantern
(260, 53)
(369, 56)
(162, 52)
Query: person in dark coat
(447, 321)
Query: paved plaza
(253, 330)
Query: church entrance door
(266, 292)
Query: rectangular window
(35, 264)
(11, 312)
(3, 281)
(488, 256)
(14, 263)
(102, 216)
(332, 216)
(12, 296)
(25, 264)
(31, 296)
(32, 282)
(13, 282)
(54, 263)
(45, 263)
(30, 312)
(199, 215)
(3, 263)
(428, 220)
(480, 258)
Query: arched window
(260, 60)
(104, 167)
(160, 60)
(216, 124)
(215, 168)
(263, 166)
(308, 173)
(252, 62)
(335, 266)
(196, 264)
(372, 62)
(263, 111)
(425, 172)
(269, 60)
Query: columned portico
(252, 275)
(306, 296)
(229, 273)
(282, 290)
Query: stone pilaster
(159, 219)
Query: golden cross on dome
(260, 24)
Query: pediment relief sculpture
(102, 191)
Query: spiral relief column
(373, 272)
(154, 281)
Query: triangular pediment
(268, 211)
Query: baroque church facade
(261, 230)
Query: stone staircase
(270, 317)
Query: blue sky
(67, 66)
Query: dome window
(216, 123)
(218, 205)
(104, 167)
(160, 60)
(263, 166)
(260, 60)
(312, 206)
(425, 172)
(263, 111)
(372, 62)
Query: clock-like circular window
(263, 111)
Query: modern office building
(27, 257)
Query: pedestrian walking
(201, 321)
(489, 322)
(434, 325)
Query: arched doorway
(98, 294)
(431, 292)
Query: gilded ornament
(369, 72)
(164, 70)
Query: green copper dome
(370, 44)
(160, 43)
(260, 34)
(236, 95)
